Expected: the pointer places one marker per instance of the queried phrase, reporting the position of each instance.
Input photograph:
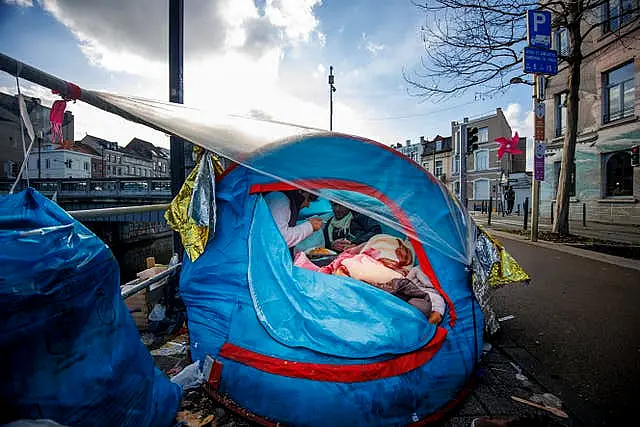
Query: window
(438, 168)
(128, 170)
(481, 189)
(561, 113)
(562, 41)
(457, 187)
(86, 166)
(456, 164)
(619, 175)
(617, 13)
(47, 163)
(619, 93)
(481, 160)
(69, 163)
(438, 145)
(119, 171)
(572, 179)
(483, 135)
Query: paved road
(581, 319)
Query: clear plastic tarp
(405, 196)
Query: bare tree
(479, 44)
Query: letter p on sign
(539, 28)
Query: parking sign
(539, 28)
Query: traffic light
(635, 155)
(472, 139)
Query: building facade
(412, 151)
(56, 161)
(437, 158)
(117, 162)
(602, 178)
(486, 174)
(11, 151)
(158, 156)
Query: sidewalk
(626, 234)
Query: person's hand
(435, 318)
(342, 245)
(316, 223)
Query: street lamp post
(332, 89)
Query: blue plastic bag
(70, 351)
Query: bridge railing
(98, 188)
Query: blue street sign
(539, 28)
(542, 61)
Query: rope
(25, 151)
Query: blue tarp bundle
(70, 350)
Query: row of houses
(603, 182)
(91, 157)
(94, 157)
(487, 176)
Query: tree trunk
(561, 223)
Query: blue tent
(298, 347)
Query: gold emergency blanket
(493, 268)
(194, 237)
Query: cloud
(115, 32)
(522, 122)
(322, 38)
(20, 3)
(370, 46)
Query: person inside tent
(347, 229)
(285, 207)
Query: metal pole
(584, 215)
(490, 210)
(434, 159)
(535, 197)
(150, 281)
(331, 90)
(463, 162)
(120, 210)
(535, 211)
(525, 208)
(176, 94)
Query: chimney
(408, 142)
(422, 141)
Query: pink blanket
(380, 260)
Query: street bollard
(490, 210)
(584, 215)
(525, 208)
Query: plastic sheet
(256, 144)
(70, 350)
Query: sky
(268, 58)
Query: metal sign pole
(176, 11)
(535, 190)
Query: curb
(597, 256)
